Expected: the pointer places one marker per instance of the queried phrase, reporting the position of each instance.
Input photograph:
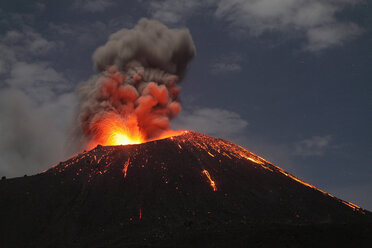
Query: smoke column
(136, 87)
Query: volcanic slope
(189, 190)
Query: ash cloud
(139, 70)
(149, 43)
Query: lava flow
(211, 182)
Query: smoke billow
(139, 70)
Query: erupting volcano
(189, 190)
(136, 94)
(141, 184)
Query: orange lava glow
(126, 168)
(168, 134)
(113, 130)
(211, 182)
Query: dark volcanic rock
(162, 193)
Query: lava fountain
(113, 130)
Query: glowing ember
(168, 134)
(211, 182)
(126, 168)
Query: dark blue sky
(288, 80)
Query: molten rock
(189, 190)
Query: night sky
(289, 80)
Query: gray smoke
(151, 44)
(139, 71)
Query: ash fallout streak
(135, 95)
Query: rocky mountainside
(190, 190)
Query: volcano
(189, 190)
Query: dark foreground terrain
(186, 191)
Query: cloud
(87, 34)
(32, 136)
(173, 11)
(93, 6)
(226, 63)
(221, 67)
(334, 34)
(314, 146)
(38, 80)
(313, 20)
(211, 121)
(35, 119)
(27, 42)
(36, 105)
(7, 58)
(40, 7)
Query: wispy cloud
(334, 34)
(313, 20)
(38, 80)
(314, 146)
(173, 11)
(93, 5)
(221, 67)
(211, 121)
(226, 63)
(36, 104)
(89, 34)
(27, 42)
(316, 20)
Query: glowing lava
(211, 182)
(126, 168)
(113, 130)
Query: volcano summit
(189, 190)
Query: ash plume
(139, 70)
